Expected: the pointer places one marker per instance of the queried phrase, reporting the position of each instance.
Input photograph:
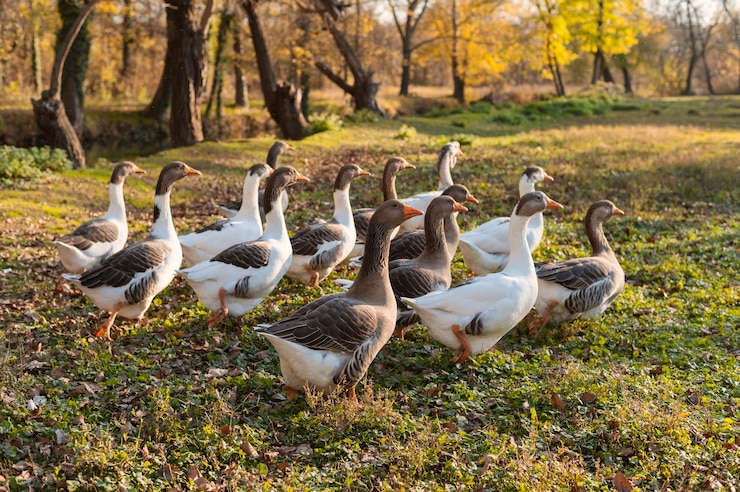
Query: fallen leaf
(626, 451)
(557, 402)
(225, 430)
(168, 472)
(269, 456)
(486, 464)
(56, 373)
(249, 449)
(450, 427)
(587, 398)
(78, 420)
(286, 449)
(621, 483)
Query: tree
(187, 48)
(241, 98)
(282, 99)
(49, 111)
(555, 37)
(414, 10)
(364, 88)
(75, 69)
(226, 24)
(734, 19)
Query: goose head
(276, 150)
(172, 172)
(124, 169)
(534, 202)
(346, 174)
(460, 194)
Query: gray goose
(99, 238)
(430, 271)
(410, 244)
(332, 341)
(231, 208)
(126, 282)
(318, 248)
(362, 216)
(580, 287)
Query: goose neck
(116, 204)
(250, 199)
(343, 207)
(520, 258)
(163, 227)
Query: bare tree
(283, 99)
(414, 12)
(735, 21)
(364, 89)
(49, 111)
(241, 96)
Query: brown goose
(332, 341)
(318, 248)
(393, 166)
(410, 244)
(430, 271)
(99, 238)
(126, 282)
(230, 209)
(580, 287)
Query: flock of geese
(403, 248)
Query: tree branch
(323, 68)
(61, 57)
(206, 17)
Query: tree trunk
(157, 108)
(458, 83)
(127, 38)
(75, 70)
(240, 85)
(38, 82)
(688, 90)
(227, 21)
(406, 32)
(627, 80)
(554, 67)
(736, 32)
(49, 112)
(187, 47)
(364, 89)
(405, 69)
(282, 99)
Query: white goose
(318, 248)
(332, 341)
(126, 282)
(485, 249)
(471, 317)
(580, 287)
(362, 216)
(99, 238)
(246, 225)
(277, 149)
(446, 160)
(237, 279)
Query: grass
(650, 390)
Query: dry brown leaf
(557, 402)
(587, 398)
(450, 427)
(621, 483)
(249, 449)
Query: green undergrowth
(648, 393)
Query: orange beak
(189, 171)
(548, 177)
(471, 198)
(553, 205)
(408, 165)
(301, 178)
(289, 147)
(138, 170)
(618, 211)
(409, 212)
(364, 173)
(459, 207)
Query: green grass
(651, 389)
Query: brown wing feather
(94, 231)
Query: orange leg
(223, 311)
(313, 281)
(59, 287)
(105, 325)
(538, 323)
(290, 392)
(400, 332)
(351, 395)
(464, 351)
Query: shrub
(323, 122)
(363, 116)
(17, 164)
(405, 133)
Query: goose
(246, 225)
(580, 287)
(446, 160)
(318, 248)
(472, 316)
(485, 249)
(230, 209)
(362, 215)
(97, 239)
(331, 342)
(237, 279)
(411, 244)
(125, 283)
(430, 271)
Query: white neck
(275, 222)
(520, 258)
(250, 200)
(445, 176)
(343, 208)
(116, 205)
(525, 186)
(163, 228)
